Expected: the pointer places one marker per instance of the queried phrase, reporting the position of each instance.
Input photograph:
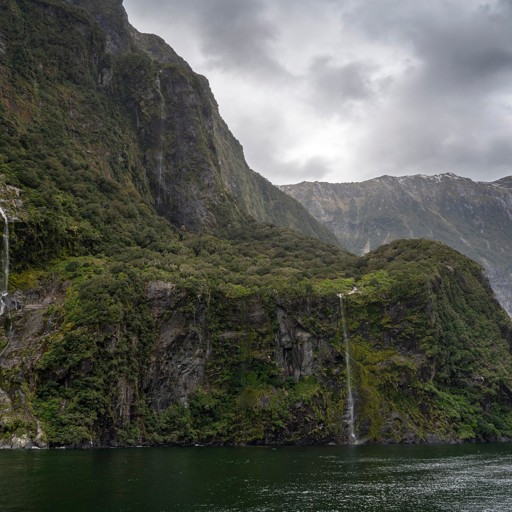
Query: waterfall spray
(160, 152)
(4, 278)
(350, 397)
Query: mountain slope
(146, 305)
(126, 110)
(196, 168)
(102, 354)
(474, 218)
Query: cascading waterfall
(160, 152)
(4, 278)
(350, 397)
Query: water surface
(357, 478)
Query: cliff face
(474, 218)
(151, 362)
(147, 305)
(196, 168)
(84, 95)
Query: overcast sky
(347, 90)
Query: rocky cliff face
(474, 218)
(146, 303)
(184, 367)
(196, 168)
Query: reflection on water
(354, 478)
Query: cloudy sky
(347, 90)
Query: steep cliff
(86, 96)
(103, 355)
(147, 302)
(474, 218)
(196, 167)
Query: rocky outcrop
(294, 346)
(473, 217)
(181, 349)
(195, 166)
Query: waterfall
(160, 152)
(350, 397)
(4, 278)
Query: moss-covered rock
(115, 356)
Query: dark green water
(358, 478)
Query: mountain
(473, 217)
(196, 168)
(120, 97)
(153, 291)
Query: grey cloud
(439, 116)
(459, 44)
(431, 140)
(237, 36)
(267, 133)
(442, 114)
(470, 58)
(315, 168)
(333, 88)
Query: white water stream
(350, 418)
(4, 277)
(160, 152)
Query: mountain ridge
(473, 217)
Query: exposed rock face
(217, 369)
(294, 346)
(196, 168)
(474, 218)
(178, 358)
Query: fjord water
(351, 478)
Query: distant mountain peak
(473, 217)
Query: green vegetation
(97, 378)
(137, 330)
(472, 217)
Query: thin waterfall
(350, 397)
(160, 152)
(4, 278)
